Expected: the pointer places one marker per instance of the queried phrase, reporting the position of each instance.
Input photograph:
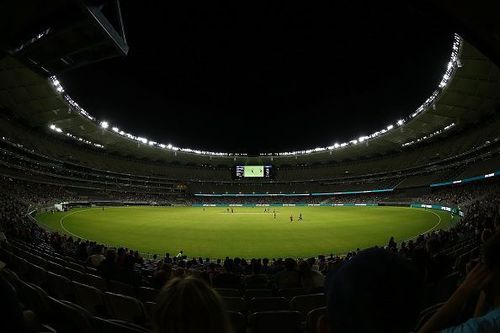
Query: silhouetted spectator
(376, 291)
(189, 305)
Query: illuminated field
(248, 232)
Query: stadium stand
(100, 287)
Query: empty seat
(74, 275)
(70, 317)
(124, 307)
(91, 270)
(35, 299)
(235, 304)
(312, 319)
(118, 287)
(426, 314)
(148, 294)
(275, 321)
(228, 292)
(238, 321)
(75, 266)
(96, 281)
(55, 267)
(306, 303)
(251, 293)
(59, 286)
(149, 307)
(37, 274)
(11, 277)
(90, 298)
(260, 304)
(39, 261)
(116, 326)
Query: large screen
(253, 171)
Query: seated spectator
(107, 268)
(376, 291)
(483, 279)
(311, 280)
(289, 278)
(189, 305)
(97, 257)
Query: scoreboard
(253, 171)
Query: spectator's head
(375, 291)
(189, 306)
(290, 264)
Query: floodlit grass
(248, 232)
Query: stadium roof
(472, 95)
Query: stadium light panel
(452, 65)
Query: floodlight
(104, 124)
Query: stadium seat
(118, 287)
(291, 292)
(69, 317)
(39, 261)
(37, 274)
(96, 281)
(149, 307)
(90, 298)
(91, 270)
(73, 265)
(125, 308)
(59, 287)
(312, 319)
(74, 275)
(260, 304)
(238, 321)
(116, 326)
(35, 299)
(426, 314)
(55, 267)
(235, 304)
(251, 293)
(148, 294)
(11, 277)
(275, 321)
(46, 329)
(305, 303)
(228, 292)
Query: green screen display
(253, 171)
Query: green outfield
(248, 231)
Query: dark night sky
(248, 78)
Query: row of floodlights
(77, 138)
(428, 136)
(105, 125)
(453, 64)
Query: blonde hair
(189, 305)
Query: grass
(248, 232)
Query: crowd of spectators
(397, 269)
